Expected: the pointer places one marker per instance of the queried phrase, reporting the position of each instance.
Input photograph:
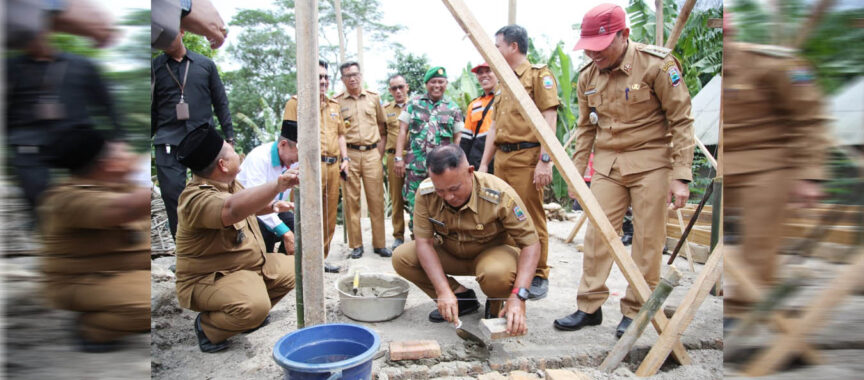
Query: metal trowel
(467, 335)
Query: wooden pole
(658, 31)
(637, 327)
(508, 81)
(577, 227)
(309, 157)
(511, 14)
(816, 16)
(360, 46)
(792, 341)
(706, 152)
(683, 15)
(684, 314)
(687, 251)
(337, 6)
(298, 262)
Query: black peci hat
(199, 148)
(76, 147)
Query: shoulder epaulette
(771, 50)
(538, 65)
(426, 187)
(658, 51)
(371, 92)
(205, 186)
(586, 65)
(490, 195)
(339, 95)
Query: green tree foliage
(412, 67)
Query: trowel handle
(356, 284)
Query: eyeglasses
(325, 76)
(396, 88)
(351, 75)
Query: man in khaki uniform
(634, 112)
(107, 282)
(222, 268)
(469, 224)
(399, 89)
(775, 141)
(333, 146)
(519, 159)
(365, 127)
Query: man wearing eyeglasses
(399, 89)
(365, 128)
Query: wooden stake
(309, 157)
(637, 327)
(511, 14)
(814, 316)
(577, 227)
(684, 314)
(683, 15)
(687, 251)
(658, 31)
(706, 152)
(507, 79)
(337, 6)
(812, 21)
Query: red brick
(415, 349)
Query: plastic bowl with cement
(381, 297)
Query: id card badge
(182, 111)
(50, 110)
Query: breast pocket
(485, 232)
(595, 100)
(641, 103)
(236, 234)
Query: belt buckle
(362, 148)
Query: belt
(393, 151)
(329, 160)
(507, 148)
(364, 147)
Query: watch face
(545, 157)
(522, 294)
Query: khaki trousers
(495, 269)
(646, 192)
(329, 201)
(113, 305)
(517, 169)
(396, 183)
(365, 166)
(239, 301)
(759, 199)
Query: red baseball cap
(599, 27)
(474, 70)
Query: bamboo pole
(309, 157)
(658, 31)
(637, 327)
(509, 82)
(683, 15)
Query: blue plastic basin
(328, 352)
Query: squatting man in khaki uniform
(96, 227)
(223, 270)
(632, 104)
(469, 224)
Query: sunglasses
(325, 76)
(395, 88)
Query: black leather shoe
(578, 320)
(467, 302)
(357, 253)
(622, 327)
(397, 243)
(383, 252)
(329, 268)
(539, 288)
(203, 343)
(265, 323)
(627, 239)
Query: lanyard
(185, 75)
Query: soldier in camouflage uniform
(429, 120)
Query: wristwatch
(397, 159)
(346, 158)
(545, 158)
(520, 293)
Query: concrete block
(564, 374)
(495, 375)
(416, 349)
(522, 375)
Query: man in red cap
(634, 113)
(479, 117)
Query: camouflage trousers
(409, 190)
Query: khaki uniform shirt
(510, 126)
(331, 124)
(642, 106)
(364, 118)
(205, 247)
(772, 112)
(494, 215)
(76, 239)
(392, 112)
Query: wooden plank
(577, 227)
(706, 152)
(509, 82)
(684, 315)
(683, 15)
(698, 234)
(687, 253)
(847, 235)
(814, 317)
(414, 349)
(309, 157)
(704, 218)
